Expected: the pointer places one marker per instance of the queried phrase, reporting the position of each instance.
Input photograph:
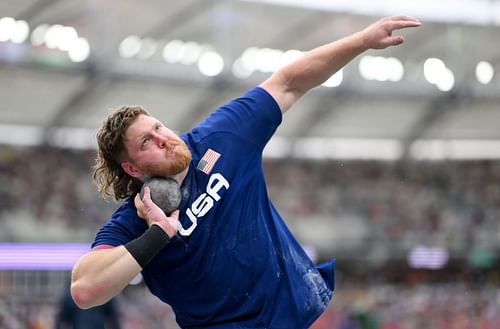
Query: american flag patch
(208, 161)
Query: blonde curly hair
(107, 173)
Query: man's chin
(181, 165)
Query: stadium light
(147, 49)
(484, 72)
(436, 72)
(79, 51)
(381, 68)
(38, 35)
(211, 64)
(130, 46)
(13, 30)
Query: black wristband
(145, 247)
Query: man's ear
(131, 169)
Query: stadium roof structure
(65, 64)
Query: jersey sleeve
(253, 117)
(123, 227)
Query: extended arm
(101, 274)
(291, 82)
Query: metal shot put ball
(165, 192)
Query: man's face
(154, 150)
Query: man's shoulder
(126, 215)
(125, 209)
(123, 226)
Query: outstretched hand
(379, 34)
(152, 214)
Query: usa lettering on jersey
(202, 205)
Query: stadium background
(392, 167)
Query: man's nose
(161, 140)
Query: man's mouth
(172, 150)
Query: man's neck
(180, 176)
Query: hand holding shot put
(157, 203)
(226, 259)
(154, 215)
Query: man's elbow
(84, 297)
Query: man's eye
(145, 141)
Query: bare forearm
(315, 67)
(101, 274)
(319, 64)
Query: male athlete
(225, 258)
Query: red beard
(182, 156)
(175, 163)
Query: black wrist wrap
(145, 247)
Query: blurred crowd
(448, 306)
(451, 204)
(46, 194)
(452, 305)
(50, 191)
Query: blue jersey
(234, 262)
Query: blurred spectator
(70, 316)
